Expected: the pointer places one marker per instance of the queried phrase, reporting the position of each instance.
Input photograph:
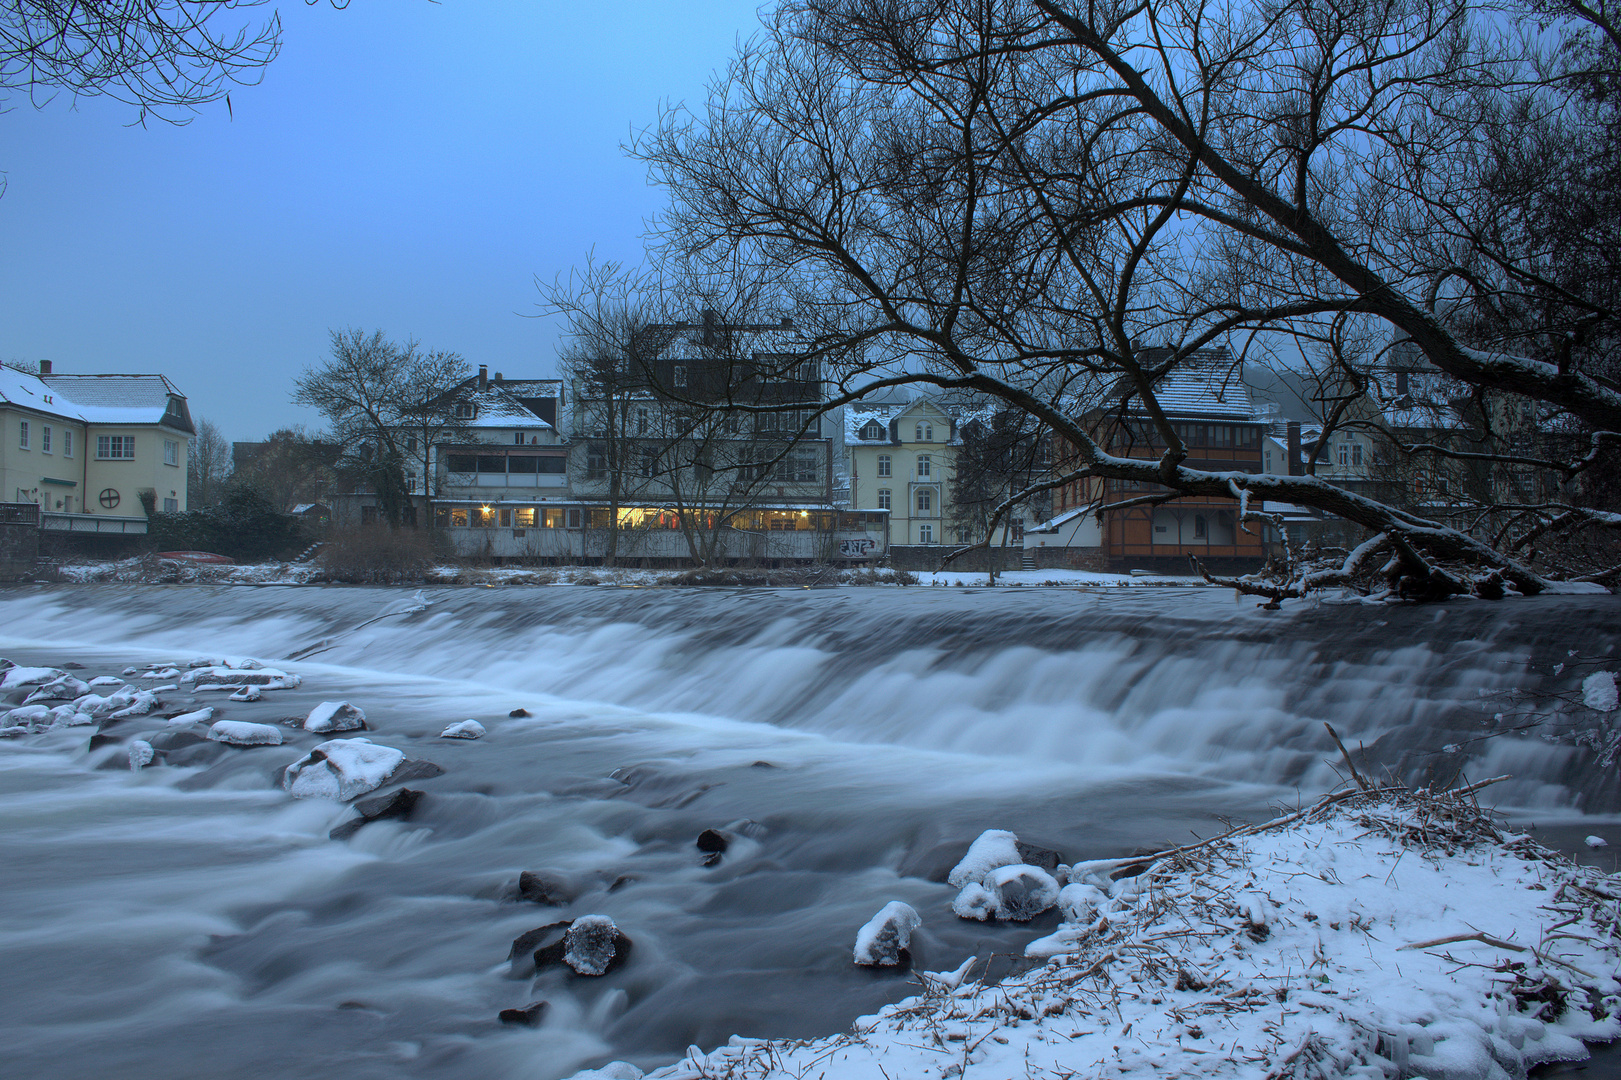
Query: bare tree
(208, 466)
(1013, 196)
(388, 406)
(290, 467)
(164, 57)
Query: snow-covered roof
(497, 406)
(857, 417)
(1205, 386)
(99, 399)
(1428, 402)
(1053, 524)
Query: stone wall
(19, 539)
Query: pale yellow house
(900, 458)
(90, 445)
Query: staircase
(309, 553)
(1029, 562)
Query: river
(191, 920)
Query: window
(925, 465)
(650, 461)
(965, 535)
(1345, 453)
(67, 443)
(465, 410)
(883, 464)
(524, 517)
(641, 423)
(925, 501)
(925, 534)
(45, 438)
(1356, 453)
(464, 463)
(1198, 527)
(171, 452)
(22, 435)
(925, 431)
(883, 498)
(171, 506)
(411, 444)
(678, 375)
(115, 447)
(1018, 530)
(872, 431)
(596, 461)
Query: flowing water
(191, 920)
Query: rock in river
(341, 769)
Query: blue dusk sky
(404, 166)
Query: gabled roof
(1205, 385)
(100, 399)
(30, 391)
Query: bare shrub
(374, 554)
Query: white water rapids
(191, 920)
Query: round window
(110, 497)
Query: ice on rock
(1599, 692)
(994, 848)
(1022, 892)
(142, 703)
(106, 680)
(1596, 842)
(335, 716)
(220, 677)
(242, 733)
(28, 715)
(879, 942)
(467, 729)
(131, 670)
(17, 677)
(591, 944)
(196, 716)
(975, 901)
(140, 755)
(247, 693)
(160, 673)
(1080, 903)
(341, 769)
(68, 716)
(65, 688)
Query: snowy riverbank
(1383, 935)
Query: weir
(852, 741)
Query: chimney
(1296, 466)
(484, 376)
(709, 327)
(497, 376)
(44, 367)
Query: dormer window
(925, 431)
(466, 410)
(872, 430)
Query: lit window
(459, 517)
(883, 463)
(171, 452)
(925, 534)
(925, 465)
(22, 435)
(883, 498)
(115, 447)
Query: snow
(105, 680)
(28, 676)
(62, 688)
(975, 901)
(141, 703)
(466, 729)
(1596, 842)
(1573, 588)
(140, 754)
(1367, 936)
(196, 716)
(993, 848)
(28, 714)
(247, 693)
(242, 733)
(341, 769)
(1598, 691)
(220, 677)
(590, 944)
(880, 940)
(335, 716)
(614, 1070)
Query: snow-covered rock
(140, 754)
(63, 688)
(1599, 692)
(242, 733)
(106, 680)
(466, 729)
(1596, 842)
(1021, 892)
(993, 848)
(341, 769)
(614, 1070)
(71, 718)
(15, 677)
(141, 703)
(247, 693)
(220, 677)
(880, 940)
(975, 901)
(30, 716)
(593, 944)
(196, 716)
(335, 716)
(1079, 903)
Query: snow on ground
(137, 571)
(1384, 935)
